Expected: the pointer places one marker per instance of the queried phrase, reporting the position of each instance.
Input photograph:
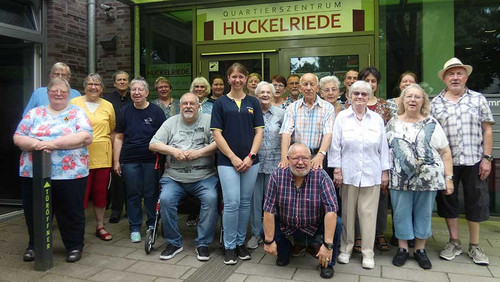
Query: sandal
(357, 245)
(102, 234)
(382, 243)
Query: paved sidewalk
(120, 260)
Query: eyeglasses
(58, 92)
(416, 97)
(327, 90)
(362, 94)
(280, 85)
(93, 85)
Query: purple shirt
(300, 209)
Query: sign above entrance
(285, 19)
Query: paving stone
(461, 268)
(313, 275)
(376, 279)
(237, 278)
(495, 270)
(190, 261)
(108, 250)
(354, 267)
(467, 278)
(270, 270)
(158, 269)
(16, 274)
(109, 275)
(188, 273)
(52, 277)
(75, 270)
(412, 274)
(163, 279)
(253, 278)
(106, 262)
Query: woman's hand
(338, 179)
(247, 163)
(317, 161)
(385, 181)
(117, 168)
(236, 162)
(284, 163)
(449, 187)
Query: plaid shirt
(462, 123)
(309, 125)
(300, 209)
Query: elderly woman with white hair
(329, 88)
(359, 155)
(269, 156)
(201, 88)
(137, 124)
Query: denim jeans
(284, 245)
(257, 199)
(172, 192)
(141, 182)
(237, 190)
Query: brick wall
(67, 39)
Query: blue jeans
(172, 192)
(140, 182)
(237, 190)
(284, 245)
(257, 199)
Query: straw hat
(452, 63)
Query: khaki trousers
(361, 201)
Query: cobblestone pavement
(121, 260)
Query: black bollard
(42, 211)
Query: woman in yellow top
(102, 118)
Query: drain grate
(214, 269)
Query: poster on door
(296, 18)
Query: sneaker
(478, 256)
(343, 258)
(368, 263)
(451, 250)
(170, 251)
(191, 221)
(202, 253)
(298, 249)
(135, 237)
(29, 255)
(243, 253)
(254, 242)
(326, 272)
(400, 257)
(230, 257)
(421, 257)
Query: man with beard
(292, 85)
(301, 203)
(351, 76)
(187, 142)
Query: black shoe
(202, 253)
(326, 272)
(400, 258)
(243, 253)
(29, 255)
(421, 257)
(282, 261)
(74, 255)
(230, 257)
(394, 241)
(411, 243)
(114, 218)
(170, 251)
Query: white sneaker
(368, 263)
(478, 255)
(253, 242)
(343, 258)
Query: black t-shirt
(237, 125)
(117, 101)
(138, 127)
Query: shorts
(476, 195)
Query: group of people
(306, 172)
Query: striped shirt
(300, 209)
(462, 122)
(307, 125)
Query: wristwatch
(328, 245)
(252, 156)
(323, 153)
(488, 157)
(268, 243)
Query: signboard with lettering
(179, 76)
(285, 19)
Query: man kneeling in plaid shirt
(301, 203)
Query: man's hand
(192, 155)
(324, 256)
(271, 249)
(385, 181)
(338, 180)
(117, 168)
(449, 187)
(484, 169)
(179, 155)
(317, 161)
